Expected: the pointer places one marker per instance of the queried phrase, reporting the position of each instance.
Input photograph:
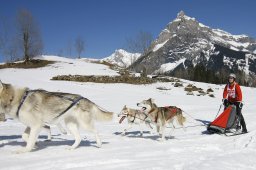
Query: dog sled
(227, 123)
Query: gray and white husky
(36, 108)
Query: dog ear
(152, 100)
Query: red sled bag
(225, 122)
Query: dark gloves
(225, 102)
(239, 104)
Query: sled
(226, 123)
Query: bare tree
(79, 44)
(69, 47)
(140, 43)
(29, 36)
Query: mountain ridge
(186, 43)
(122, 58)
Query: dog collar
(151, 111)
(22, 101)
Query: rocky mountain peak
(181, 14)
(186, 43)
(122, 58)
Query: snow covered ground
(184, 151)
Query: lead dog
(162, 116)
(35, 108)
(133, 117)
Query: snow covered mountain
(122, 58)
(185, 43)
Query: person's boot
(238, 127)
(244, 131)
(242, 122)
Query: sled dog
(133, 117)
(162, 116)
(36, 108)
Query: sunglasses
(231, 77)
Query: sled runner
(226, 123)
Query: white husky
(35, 108)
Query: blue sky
(106, 24)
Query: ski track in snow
(183, 150)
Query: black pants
(239, 114)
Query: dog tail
(181, 119)
(103, 115)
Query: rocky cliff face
(185, 43)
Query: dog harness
(22, 101)
(172, 111)
(71, 105)
(151, 111)
(26, 93)
(134, 117)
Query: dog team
(38, 109)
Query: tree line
(200, 73)
(23, 40)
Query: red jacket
(233, 93)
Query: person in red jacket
(232, 95)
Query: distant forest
(201, 74)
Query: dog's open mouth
(143, 108)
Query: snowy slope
(185, 151)
(122, 58)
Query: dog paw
(171, 137)
(70, 148)
(20, 151)
(162, 140)
(99, 145)
(36, 146)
